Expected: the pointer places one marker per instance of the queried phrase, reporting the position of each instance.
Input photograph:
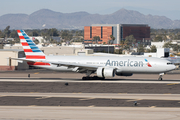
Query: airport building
(9, 64)
(100, 48)
(141, 32)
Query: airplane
(102, 66)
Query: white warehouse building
(161, 52)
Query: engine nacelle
(123, 74)
(106, 72)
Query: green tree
(158, 38)
(14, 34)
(17, 40)
(79, 33)
(171, 36)
(112, 38)
(47, 38)
(176, 47)
(36, 41)
(96, 39)
(118, 51)
(1, 34)
(35, 33)
(164, 36)
(122, 44)
(177, 37)
(12, 42)
(53, 32)
(53, 41)
(141, 48)
(167, 45)
(7, 31)
(77, 39)
(153, 48)
(148, 50)
(66, 35)
(127, 45)
(129, 41)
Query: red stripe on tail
(24, 44)
(28, 50)
(18, 31)
(35, 57)
(21, 37)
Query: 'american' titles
(127, 63)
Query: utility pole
(108, 42)
(177, 48)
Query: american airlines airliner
(102, 66)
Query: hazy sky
(169, 8)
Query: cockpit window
(169, 63)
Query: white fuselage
(125, 64)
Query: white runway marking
(88, 96)
(89, 113)
(173, 82)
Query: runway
(88, 113)
(54, 75)
(53, 95)
(89, 99)
(90, 87)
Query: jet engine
(123, 74)
(106, 72)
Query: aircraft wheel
(103, 78)
(95, 77)
(86, 78)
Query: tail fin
(30, 48)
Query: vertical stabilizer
(30, 49)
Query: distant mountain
(46, 18)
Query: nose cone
(172, 67)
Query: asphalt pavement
(25, 94)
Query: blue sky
(168, 8)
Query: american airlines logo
(148, 64)
(127, 63)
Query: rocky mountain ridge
(46, 18)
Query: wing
(79, 67)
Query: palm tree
(96, 39)
(112, 38)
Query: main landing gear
(160, 76)
(88, 77)
(93, 78)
